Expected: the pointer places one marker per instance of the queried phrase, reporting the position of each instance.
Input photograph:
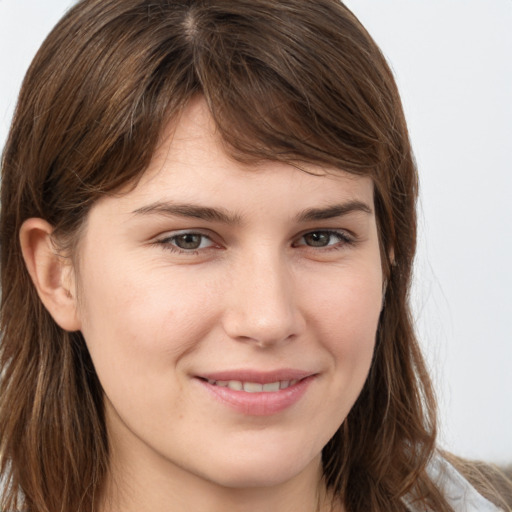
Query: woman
(208, 225)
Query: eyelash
(168, 242)
(343, 239)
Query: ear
(51, 272)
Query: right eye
(185, 242)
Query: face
(230, 311)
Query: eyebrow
(223, 216)
(333, 211)
(189, 210)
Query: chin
(257, 477)
(263, 468)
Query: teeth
(272, 386)
(254, 387)
(235, 384)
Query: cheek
(348, 305)
(133, 321)
(345, 315)
(138, 332)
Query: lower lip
(259, 404)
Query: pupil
(318, 239)
(188, 241)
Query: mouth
(258, 393)
(253, 387)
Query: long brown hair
(289, 80)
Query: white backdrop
(453, 63)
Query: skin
(265, 291)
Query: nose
(262, 307)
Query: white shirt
(459, 493)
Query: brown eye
(324, 239)
(318, 239)
(188, 241)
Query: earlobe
(51, 273)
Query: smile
(257, 394)
(254, 387)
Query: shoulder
(492, 482)
(471, 486)
(462, 495)
(468, 486)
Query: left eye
(187, 241)
(323, 238)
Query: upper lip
(260, 377)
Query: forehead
(193, 162)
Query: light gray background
(453, 63)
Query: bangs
(273, 97)
(283, 81)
